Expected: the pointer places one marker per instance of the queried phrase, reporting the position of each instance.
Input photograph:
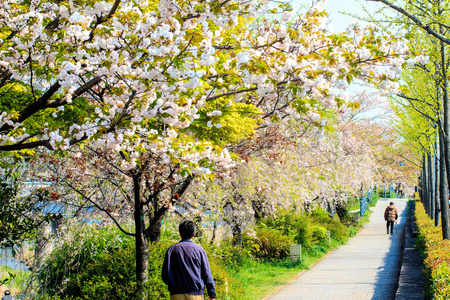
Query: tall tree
(431, 17)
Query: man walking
(390, 215)
(8, 296)
(186, 268)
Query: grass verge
(260, 279)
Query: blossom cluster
(158, 66)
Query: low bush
(338, 231)
(435, 251)
(222, 260)
(267, 244)
(296, 226)
(229, 255)
(319, 234)
(227, 287)
(93, 264)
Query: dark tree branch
(416, 20)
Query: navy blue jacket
(186, 270)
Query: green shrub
(227, 287)
(293, 225)
(319, 234)
(268, 244)
(229, 255)
(338, 231)
(94, 264)
(436, 252)
(319, 213)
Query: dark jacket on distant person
(186, 270)
(391, 213)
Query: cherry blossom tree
(149, 94)
(303, 169)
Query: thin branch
(416, 20)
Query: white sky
(337, 8)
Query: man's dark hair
(187, 229)
(392, 203)
(7, 292)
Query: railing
(364, 202)
(386, 192)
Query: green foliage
(227, 287)
(230, 255)
(7, 279)
(238, 121)
(338, 231)
(16, 278)
(94, 264)
(104, 277)
(295, 226)
(19, 216)
(156, 288)
(435, 250)
(319, 234)
(374, 200)
(319, 213)
(14, 96)
(268, 244)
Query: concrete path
(367, 267)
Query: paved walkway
(367, 267)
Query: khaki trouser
(186, 297)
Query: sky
(335, 9)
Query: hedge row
(436, 253)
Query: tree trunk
(214, 233)
(432, 192)
(237, 235)
(153, 232)
(445, 100)
(446, 144)
(436, 186)
(425, 187)
(141, 242)
(331, 209)
(443, 191)
(421, 182)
